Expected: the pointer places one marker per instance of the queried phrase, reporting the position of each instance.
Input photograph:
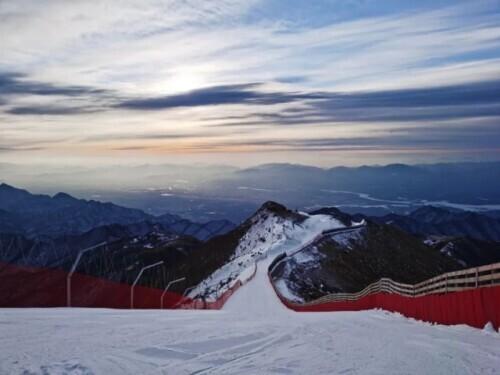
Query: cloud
(186, 69)
(48, 110)
(13, 83)
(19, 149)
(217, 95)
(409, 139)
(468, 100)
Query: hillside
(429, 220)
(328, 251)
(350, 261)
(35, 215)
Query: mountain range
(431, 220)
(203, 193)
(35, 215)
(345, 252)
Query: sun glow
(184, 79)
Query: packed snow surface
(254, 334)
(102, 341)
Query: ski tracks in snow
(100, 341)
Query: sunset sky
(249, 82)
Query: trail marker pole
(73, 268)
(168, 286)
(186, 291)
(137, 280)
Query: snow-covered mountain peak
(271, 208)
(273, 229)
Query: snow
(287, 292)
(407, 202)
(104, 341)
(308, 257)
(488, 328)
(257, 299)
(254, 334)
(269, 235)
(347, 239)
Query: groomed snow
(102, 341)
(254, 334)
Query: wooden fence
(456, 281)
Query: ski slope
(257, 299)
(233, 341)
(253, 334)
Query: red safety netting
(44, 287)
(219, 302)
(474, 307)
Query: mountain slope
(469, 252)
(271, 230)
(350, 261)
(62, 214)
(46, 251)
(429, 220)
(35, 215)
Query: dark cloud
(28, 148)
(217, 95)
(48, 110)
(293, 79)
(464, 101)
(12, 83)
(471, 100)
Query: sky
(326, 82)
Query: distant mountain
(452, 182)
(201, 193)
(201, 231)
(429, 220)
(46, 251)
(456, 182)
(467, 251)
(336, 255)
(35, 215)
(61, 214)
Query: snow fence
(188, 303)
(22, 286)
(469, 297)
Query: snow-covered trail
(257, 298)
(254, 334)
(104, 341)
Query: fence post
(186, 291)
(137, 280)
(73, 268)
(166, 289)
